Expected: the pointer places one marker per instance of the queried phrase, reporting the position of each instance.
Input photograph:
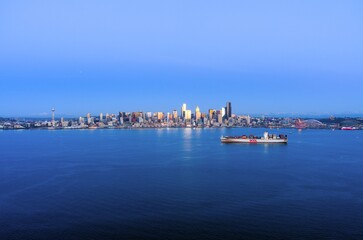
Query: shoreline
(158, 128)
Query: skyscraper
(197, 113)
(212, 114)
(160, 115)
(228, 110)
(183, 109)
(175, 114)
(188, 114)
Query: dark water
(180, 184)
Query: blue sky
(263, 56)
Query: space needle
(53, 110)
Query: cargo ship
(348, 128)
(267, 138)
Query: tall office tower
(197, 113)
(101, 117)
(183, 109)
(188, 114)
(53, 123)
(88, 115)
(229, 110)
(212, 114)
(175, 114)
(197, 110)
(223, 111)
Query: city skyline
(186, 118)
(59, 114)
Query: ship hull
(252, 141)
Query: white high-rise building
(101, 117)
(183, 109)
(223, 112)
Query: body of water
(180, 184)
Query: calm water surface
(180, 184)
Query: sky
(278, 56)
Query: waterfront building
(101, 117)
